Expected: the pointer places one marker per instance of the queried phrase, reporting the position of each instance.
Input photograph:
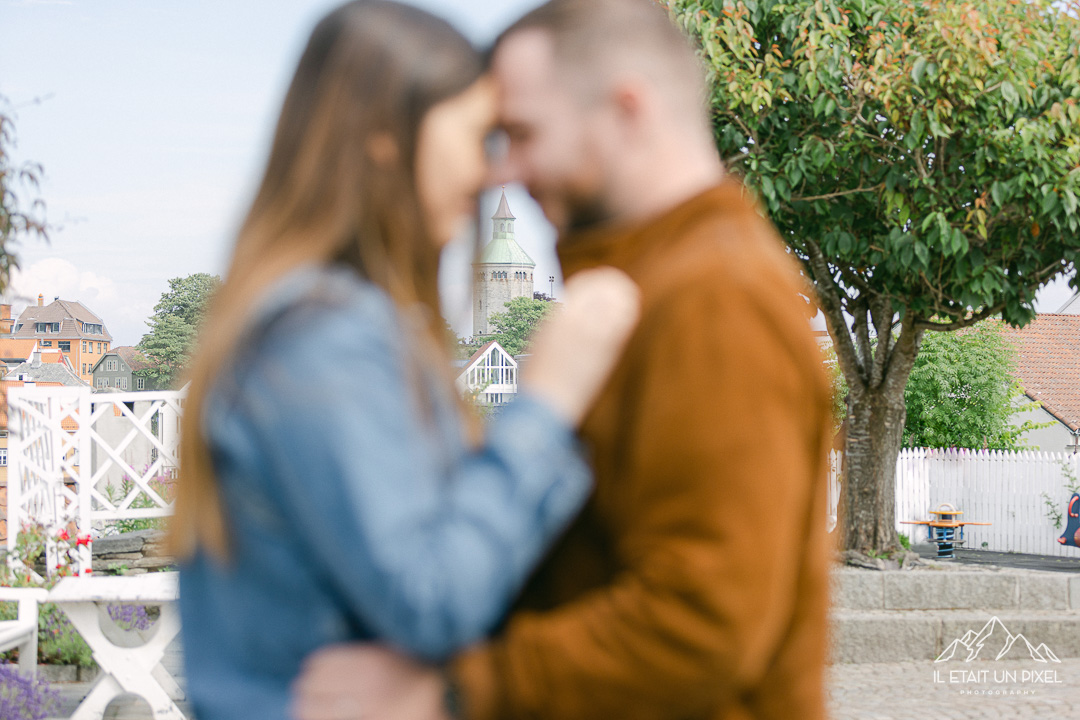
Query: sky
(152, 120)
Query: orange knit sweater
(694, 585)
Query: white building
(491, 373)
(503, 272)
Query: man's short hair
(592, 38)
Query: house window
(99, 347)
(47, 327)
(140, 383)
(123, 383)
(65, 345)
(104, 382)
(84, 346)
(111, 365)
(84, 368)
(3, 457)
(46, 343)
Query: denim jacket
(356, 509)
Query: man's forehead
(525, 61)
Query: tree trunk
(875, 433)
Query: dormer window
(47, 327)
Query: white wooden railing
(1003, 488)
(81, 459)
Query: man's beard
(585, 213)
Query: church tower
(503, 272)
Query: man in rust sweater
(694, 585)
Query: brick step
(959, 589)
(876, 636)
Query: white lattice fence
(1007, 489)
(45, 449)
(77, 459)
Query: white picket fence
(77, 460)
(1003, 488)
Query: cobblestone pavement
(1001, 690)
(873, 691)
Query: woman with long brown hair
(329, 487)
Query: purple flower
(129, 617)
(23, 698)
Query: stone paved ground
(910, 690)
(863, 691)
(885, 691)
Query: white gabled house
(491, 373)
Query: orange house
(67, 326)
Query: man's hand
(372, 682)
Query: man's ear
(382, 149)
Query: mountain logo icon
(994, 639)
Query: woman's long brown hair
(371, 71)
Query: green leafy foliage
(514, 327)
(920, 157)
(58, 641)
(839, 388)
(1054, 512)
(962, 392)
(928, 152)
(20, 216)
(174, 327)
(163, 484)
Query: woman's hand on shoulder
(576, 349)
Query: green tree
(962, 392)
(514, 327)
(174, 327)
(921, 158)
(18, 218)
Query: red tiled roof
(17, 348)
(1049, 364)
(135, 359)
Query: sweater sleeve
(723, 437)
(427, 544)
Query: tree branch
(832, 308)
(882, 316)
(828, 196)
(862, 342)
(959, 324)
(902, 357)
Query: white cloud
(123, 311)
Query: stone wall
(131, 553)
